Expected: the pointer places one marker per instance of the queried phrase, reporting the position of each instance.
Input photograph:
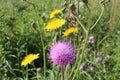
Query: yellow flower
(55, 12)
(70, 31)
(28, 59)
(54, 24)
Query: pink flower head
(62, 53)
(91, 68)
(99, 53)
(107, 57)
(91, 40)
(81, 67)
(98, 59)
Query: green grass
(22, 32)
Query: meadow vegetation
(84, 33)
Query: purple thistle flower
(62, 53)
(91, 40)
(98, 59)
(81, 67)
(99, 53)
(92, 68)
(107, 57)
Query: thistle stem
(62, 73)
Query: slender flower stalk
(78, 58)
(78, 7)
(98, 18)
(85, 30)
(41, 37)
(82, 53)
(62, 73)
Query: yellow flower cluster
(55, 12)
(29, 59)
(54, 23)
(70, 31)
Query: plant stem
(62, 73)
(85, 30)
(81, 56)
(78, 7)
(43, 46)
(98, 19)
